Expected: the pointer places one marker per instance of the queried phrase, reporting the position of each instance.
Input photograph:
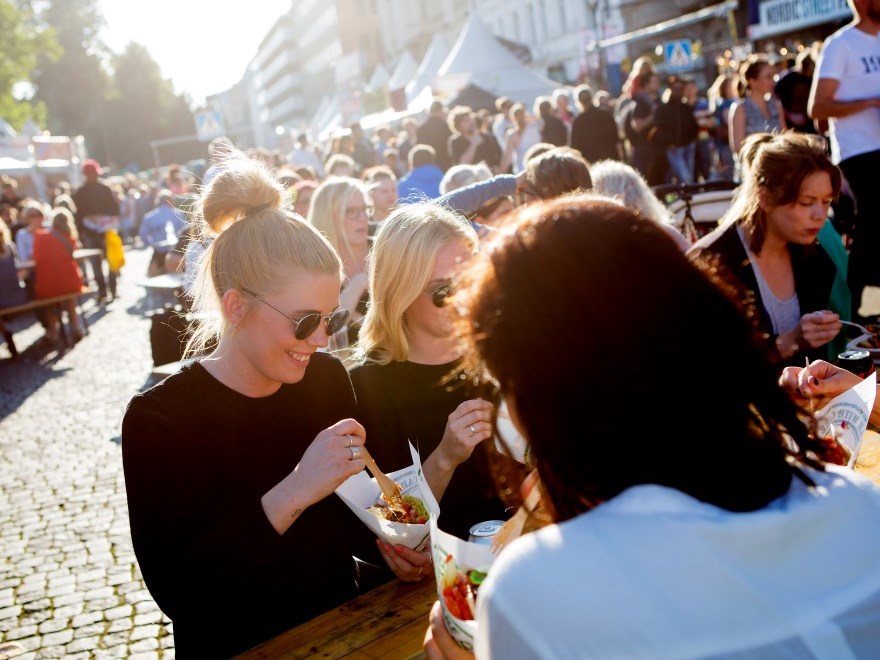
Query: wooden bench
(39, 303)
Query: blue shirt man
(160, 226)
(423, 181)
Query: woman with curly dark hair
(693, 513)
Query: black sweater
(198, 457)
(403, 401)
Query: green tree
(75, 86)
(144, 107)
(19, 48)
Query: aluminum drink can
(857, 361)
(484, 532)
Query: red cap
(91, 166)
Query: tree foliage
(22, 41)
(119, 102)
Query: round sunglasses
(440, 294)
(305, 327)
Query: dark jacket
(813, 277)
(594, 134)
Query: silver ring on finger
(350, 443)
(355, 453)
(472, 429)
(430, 556)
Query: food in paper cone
(407, 509)
(459, 590)
(836, 451)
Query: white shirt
(852, 57)
(654, 573)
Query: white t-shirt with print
(852, 57)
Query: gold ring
(420, 570)
(355, 453)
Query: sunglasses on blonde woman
(440, 294)
(305, 327)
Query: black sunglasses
(440, 294)
(306, 326)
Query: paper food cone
(467, 556)
(361, 491)
(846, 416)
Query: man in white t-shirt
(846, 91)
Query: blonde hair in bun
(258, 244)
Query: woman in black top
(407, 388)
(229, 464)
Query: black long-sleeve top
(198, 457)
(406, 401)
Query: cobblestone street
(69, 584)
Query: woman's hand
(818, 328)
(438, 643)
(408, 565)
(328, 461)
(821, 382)
(466, 427)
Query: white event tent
(428, 68)
(479, 59)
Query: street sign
(209, 125)
(679, 55)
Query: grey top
(784, 314)
(757, 121)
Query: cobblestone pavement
(69, 583)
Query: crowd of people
(403, 287)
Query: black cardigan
(813, 278)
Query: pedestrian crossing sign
(679, 54)
(209, 125)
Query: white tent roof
(478, 58)
(379, 78)
(430, 65)
(404, 72)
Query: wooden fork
(390, 489)
(514, 527)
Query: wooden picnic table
(868, 462)
(79, 255)
(388, 622)
(164, 282)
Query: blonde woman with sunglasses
(230, 465)
(406, 385)
(341, 210)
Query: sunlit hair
(400, 266)
(327, 210)
(559, 171)
(723, 87)
(66, 201)
(378, 173)
(337, 163)
(536, 150)
(567, 267)
(459, 112)
(459, 176)
(62, 221)
(5, 239)
(31, 209)
(258, 244)
(774, 168)
(611, 178)
(749, 71)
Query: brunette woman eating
(767, 242)
(408, 385)
(731, 538)
(230, 465)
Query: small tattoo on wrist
(296, 513)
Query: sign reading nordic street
(209, 125)
(679, 55)
(777, 16)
